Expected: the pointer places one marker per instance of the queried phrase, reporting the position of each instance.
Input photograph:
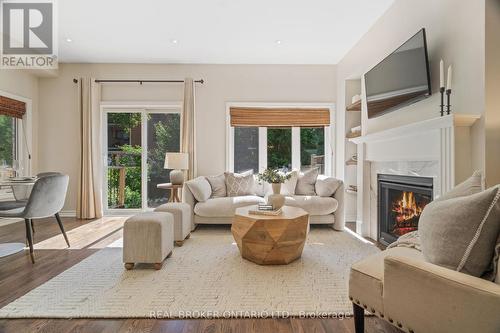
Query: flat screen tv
(402, 78)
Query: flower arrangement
(273, 176)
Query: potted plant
(275, 178)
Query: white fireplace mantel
(428, 140)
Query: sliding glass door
(135, 145)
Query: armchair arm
(188, 197)
(425, 297)
(339, 222)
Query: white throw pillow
(200, 187)
(326, 186)
(306, 182)
(288, 187)
(218, 185)
(239, 184)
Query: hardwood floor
(18, 276)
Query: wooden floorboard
(18, 276)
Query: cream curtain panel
(188, 126)
(89, 204)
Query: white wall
(455, 33)
(59, 124)
(492, 115)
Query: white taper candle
(441, 74)
(448, 84)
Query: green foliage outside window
(7, 140)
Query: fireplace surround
(401, 200)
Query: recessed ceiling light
(174, 41)
(69, 40)
(278, 42)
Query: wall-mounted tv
(402, 78)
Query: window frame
(105, 108)
(24, 146)
(329, 133)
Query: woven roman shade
(279, 117)
(12, 108)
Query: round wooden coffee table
(271, 240)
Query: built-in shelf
(356, 106)
(352, 135)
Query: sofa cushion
(239, 184)
(314, 205)
(218, 185)
(200, 187)
(225, 207)
(326, 186)
(461, 233)
(289, 186)
(306, 182)
(367, 276)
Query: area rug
(204, 278)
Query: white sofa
(322, 210)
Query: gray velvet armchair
(46, 199)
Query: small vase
(276, 188)
(276, 199)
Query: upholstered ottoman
(182, 220)
(148, 238)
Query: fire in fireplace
(401, 200)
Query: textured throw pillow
(461, 233)
(200, 187)
(472, 185)
(326, 187)
(239, 184)
(306, 182)
(288, 187)
(218, 185)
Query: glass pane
(279, 148)
(246, 149)
(163, 136)
(312, 148)
(124, 160)
(7, 141)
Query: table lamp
(177, 162)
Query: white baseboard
(68, 213)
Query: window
(257, 141)
(8, 140)
(246, 149)
(312, 148)
(136, 143)
(279, 148)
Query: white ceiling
(213, 31)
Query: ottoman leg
(179, 243)
(158, 266)
(129, 266)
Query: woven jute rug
(205, 278)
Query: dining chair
(22, 192)
(46, 199)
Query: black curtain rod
(142, 81)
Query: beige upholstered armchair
(398, 286)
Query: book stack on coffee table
(265, 209)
